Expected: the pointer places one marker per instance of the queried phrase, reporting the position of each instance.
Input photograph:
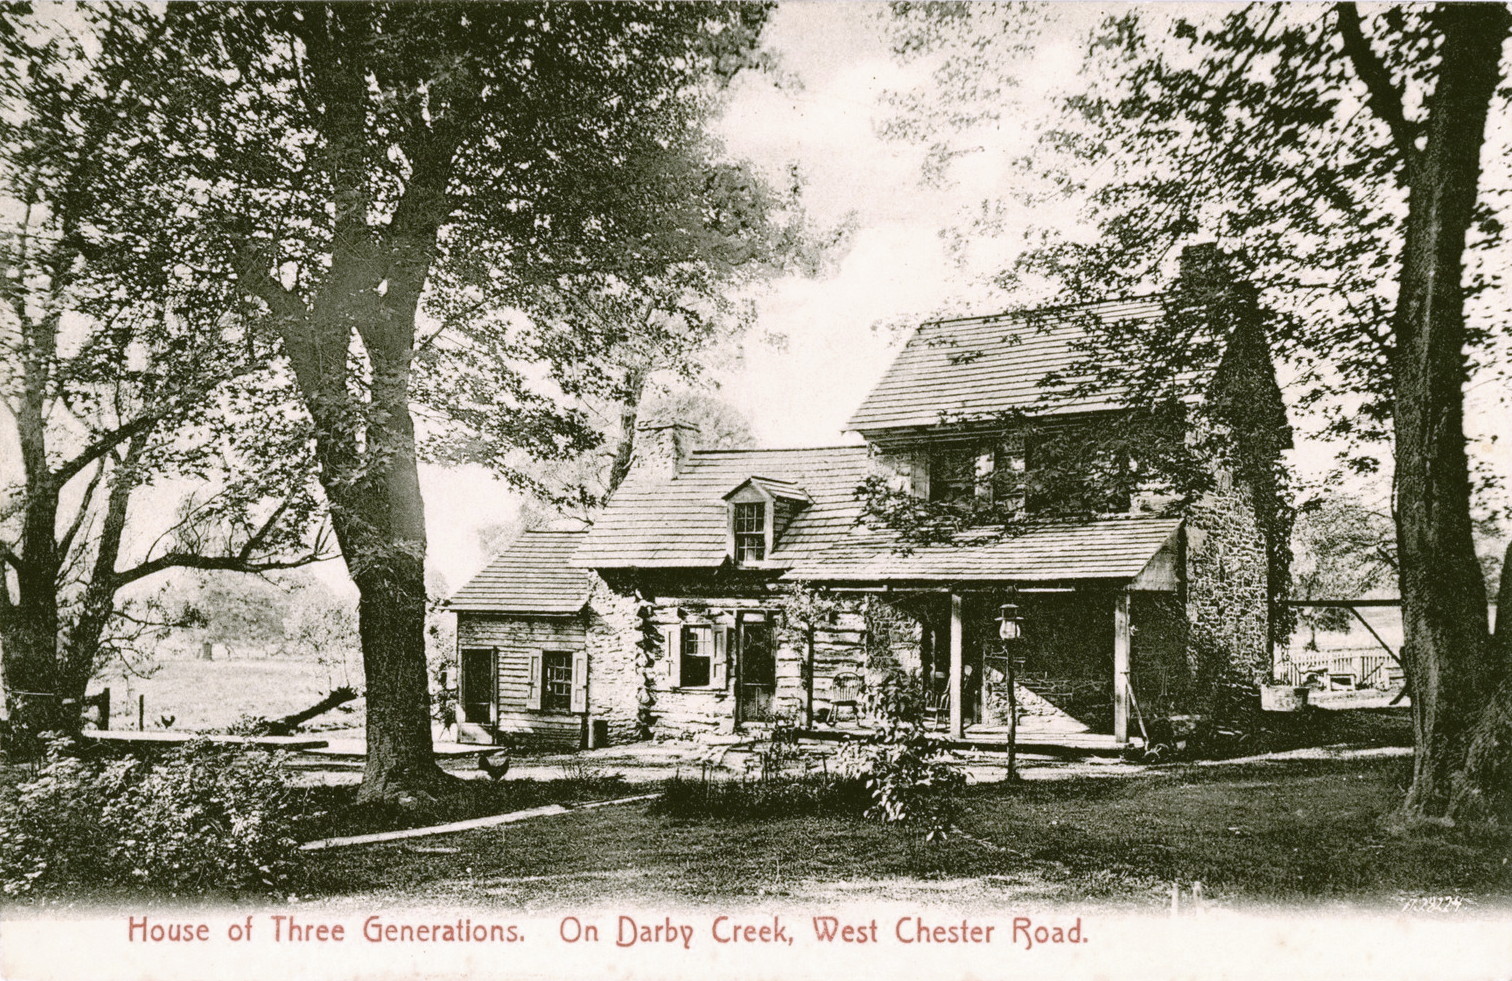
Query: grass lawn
(1294, 832)
(213, 694)
(336, 812)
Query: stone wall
(1227, 589)
(1161, 675)
(618, 659)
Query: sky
(895, 269)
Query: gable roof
(683, 522)
(531, 575)
(774, 488)
(654, 522)
(979, 367)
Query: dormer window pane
(750, 532)
(953, 474)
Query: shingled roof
(531, 575)
(653, 522)
(1111, 548)
(980, 367)
(683, 523)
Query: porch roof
(1111, 548)
(532, 574)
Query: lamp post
(1010, 629)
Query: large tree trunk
(29, 623)
(1447, 652)
(388, 566)
(619, 468)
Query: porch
(1066, 667)
(1066, 674)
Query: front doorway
(756, 665)
(478, 686)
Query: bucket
(1283, 698)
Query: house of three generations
(674, 614)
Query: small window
(953, 474)
(750, 532)
(556, 696)
(697, 655)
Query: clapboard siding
(515, 638)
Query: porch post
(957, 666)
(1121, 667)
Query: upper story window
(750, 531)
(953, 473)
(760, 510)
(1055, 472)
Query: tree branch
(1381, 93)
(103, 445)
(225, 563)
(252, 275)
(67, 540)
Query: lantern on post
(1011, 628)
(1010, 623)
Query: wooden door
(479, 688)
(757, 663)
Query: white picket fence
(1342, 669)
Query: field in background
(213, 694)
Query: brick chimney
(661, 447)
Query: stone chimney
(661, 447)
(1207, 274)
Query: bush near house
(199, 817)
(766, 797)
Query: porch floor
(1031, 739)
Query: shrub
(910, 777)
(763, 798)
(201, 816)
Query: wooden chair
(845, 696)
(937, 707)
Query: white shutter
(919, 461)
(533, 694)
(672, 651)
(719, 674)
(984, 466)
(580, 681)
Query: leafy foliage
(201, 817)
(763, 798)
(127, 373)
(910, 774)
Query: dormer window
(750, 531)
(760, 511)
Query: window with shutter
(556, 695)
(696, 668)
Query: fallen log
(287, 724)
